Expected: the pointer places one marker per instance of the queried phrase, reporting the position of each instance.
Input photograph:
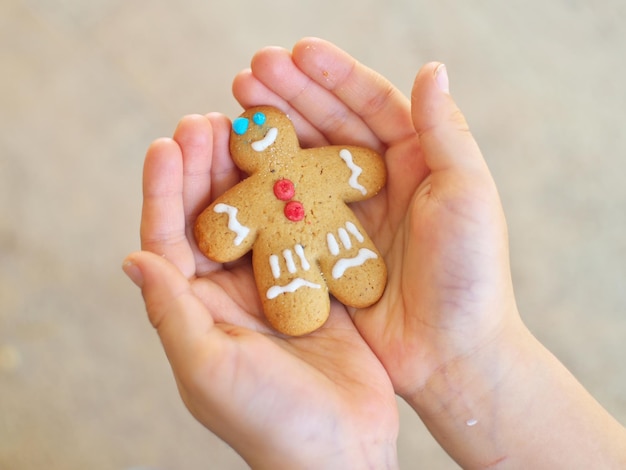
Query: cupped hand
(447, 328)
(438, 222)
(320, 401)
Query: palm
(328, 380)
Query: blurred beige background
(86, 85)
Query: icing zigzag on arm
(356, 170)
(241, 231)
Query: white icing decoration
(354, 231)
(346, 156)
(345, 238)
(333, 246)
(241, 231)
(343, 264)
(289, 261)
(265, 142)
(291, 266)
(300, 252)
(275, 266)
(293, 286)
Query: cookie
(292, 212)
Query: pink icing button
(284, 189)
(294, 211)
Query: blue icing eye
(240, 125)
(259, 119)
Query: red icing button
(294, 211)
(284, 189)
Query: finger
(322, 109)
(382, 107)
(460, 180)
(443, 132)
(224, 173)
(216, 367)
(207, 170)
(276, 69)
(163, 217)
(194, 136)
(249, 91)
(183, 323)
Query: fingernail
(441, 77)
(133, 272)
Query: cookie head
(261, 137)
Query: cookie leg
(293, 291)
(355, 271)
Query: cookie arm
(365, 172)
(224, 231)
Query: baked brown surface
(292, 212)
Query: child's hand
(320, 401)
(447, 329)
(438, 221)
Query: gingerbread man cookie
(292, 213)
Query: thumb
(444, 134)
(180, 318)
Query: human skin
(446, 335)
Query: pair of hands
(328, 399)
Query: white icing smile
(290, 288)
(265, 142)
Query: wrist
(467, 401)
(513, 401)
(375, 455)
